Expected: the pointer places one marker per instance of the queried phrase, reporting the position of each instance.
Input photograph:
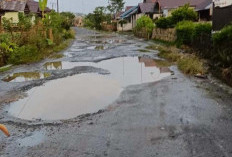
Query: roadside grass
(192, 65)
(5, 68)
(144, 50)
(187, 63)
(162, 63)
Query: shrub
(24, 54)
(164, 22)
(202, 39)
(184, 32)
(144, 23)
(191, 65)
(202, 29)
(184, 13)
(222, 42)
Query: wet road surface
(106, 98)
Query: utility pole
(57, 6)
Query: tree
(115, 6)
(184, 13)
(43, 6)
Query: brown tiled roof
(19, 5)
(33, 6)
(13, 5)
(198, 4)
(147, 7)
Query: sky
(84, 6)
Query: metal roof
(129, 12)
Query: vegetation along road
(110, 96)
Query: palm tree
(4, 130)
(43, 6)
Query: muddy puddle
(25, 76)
(85, 93)
(67, 98)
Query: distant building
(222, 14)
(78, 21)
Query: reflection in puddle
(66, 98)
(127, 70)
(85, 93)
(26, 76)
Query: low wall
(164, 34)
(109, 27)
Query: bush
(164, 22)
(184, 13)
(144, 23)
(23, 54)
(222, 42)
(191, 65)
(202, 29)
(184, 32)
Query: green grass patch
(143, 50)
(162, 63)
(190, 64)
(187, 63)
(5, 68)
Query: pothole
(85, 93)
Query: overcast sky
(85, 6)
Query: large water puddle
(85, 93)
(67, 98)
(126, 70)
(26, 76)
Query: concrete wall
(13, 15)
(124, 27)
(164, 34)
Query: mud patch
(26, 76)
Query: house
(127, 20)
(202, 7)
(10, 9)
(222, 14)
(150, 8)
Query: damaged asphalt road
(178, 116)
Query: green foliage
(95, 19)
(192, 65)
(25, 22)
(23, 54)
(184, 32)
(164, 22)
(144, 23)
(184, 13)
(43, 6)
(222, 42)
(115, 6)
(31, 41)
(67, 20)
